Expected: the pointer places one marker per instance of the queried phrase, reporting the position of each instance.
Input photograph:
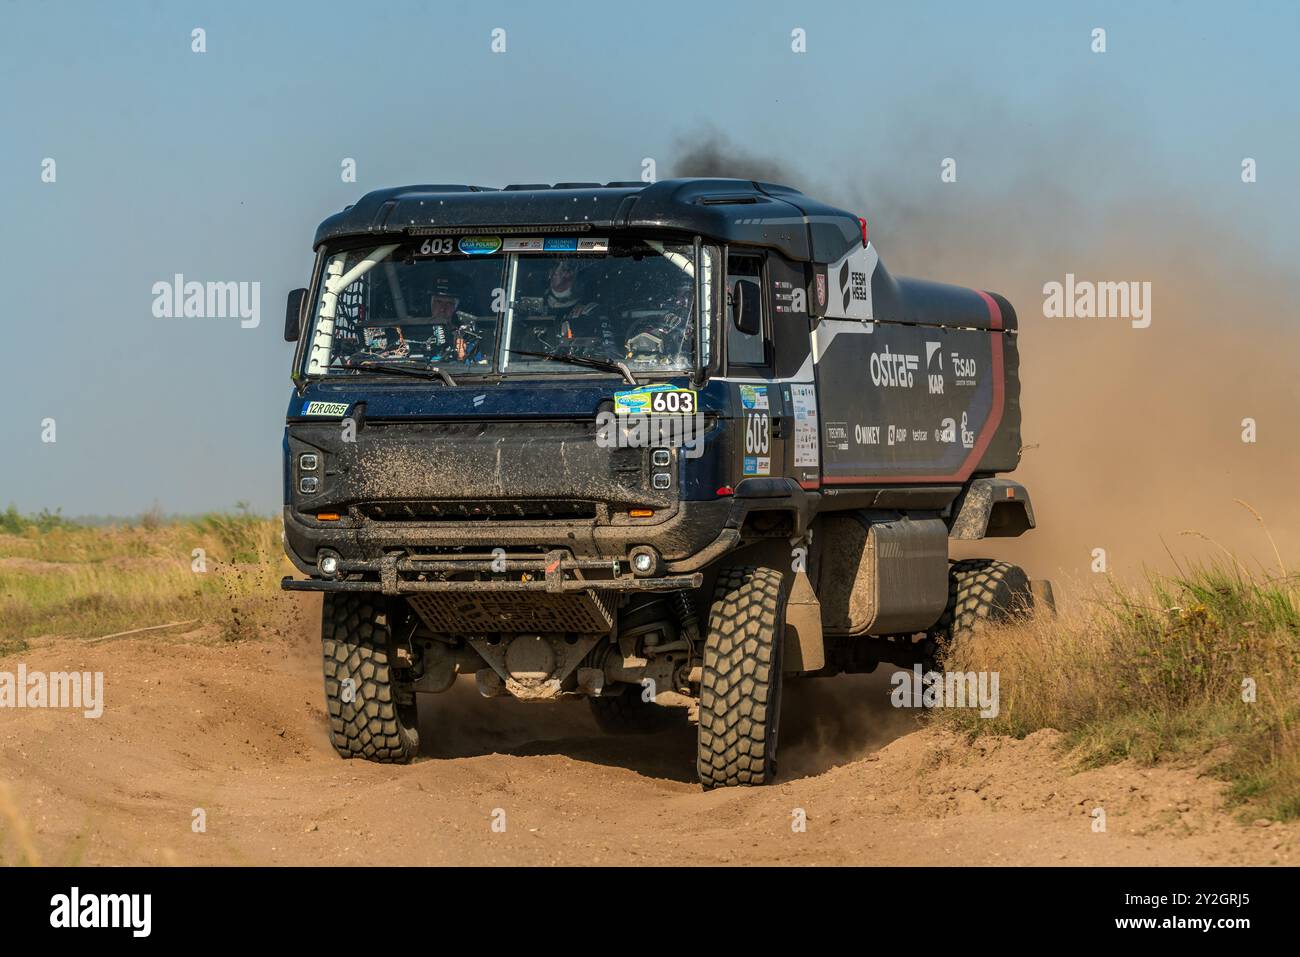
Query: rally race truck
(664, 446)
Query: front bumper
(557, 573)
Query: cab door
(762, 411)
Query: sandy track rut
(239, 731)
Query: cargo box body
(921, 385)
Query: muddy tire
(625, 713)
(981, 590)
(740, 686)
(363, 696)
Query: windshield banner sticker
(654, 398)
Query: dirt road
(238, 731)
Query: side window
(742, 348)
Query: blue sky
(219, 165)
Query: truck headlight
(644, 561)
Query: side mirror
(293, 314)
(746, 307)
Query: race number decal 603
(757, 434)
(675, 401)
(437, 247)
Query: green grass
(58, 578)
(1162, 674)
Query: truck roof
(726, 210)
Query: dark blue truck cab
(660, 445)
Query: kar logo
(934, 367)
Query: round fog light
(645, 561)
(329, 565)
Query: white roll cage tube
(335, 282)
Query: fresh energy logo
(946, 689)
(180, 299)
(81, 690)
(1082, 299)
(74, 909)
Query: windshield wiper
(420, 372)
(591, 362)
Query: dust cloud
(1132, 437)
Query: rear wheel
(980, 590)
(740, 685)
(371, 712)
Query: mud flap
(804, 649)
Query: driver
(664, 336)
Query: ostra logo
(894, 369)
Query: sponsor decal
(821, 291)
(561, 244)
(325, 408)
(758, 465)
(868, 434)
(655, 398)
(837, 435)
(896, 435)
(853, 286)
(964, 370)
(934, 367)
(893, 369)
(479, 245)
(967, 436)
(753, 397)
(946, 432)
(920, 435)
(803, 400)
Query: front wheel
(740, 683)
(371, 712)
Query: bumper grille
(585, 612)
(522, 510)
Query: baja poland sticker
(479, 245)
(753, 397)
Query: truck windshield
(478, 304)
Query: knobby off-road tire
(740, 686)
(625, 713)
(980, 590)
(366, 720)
